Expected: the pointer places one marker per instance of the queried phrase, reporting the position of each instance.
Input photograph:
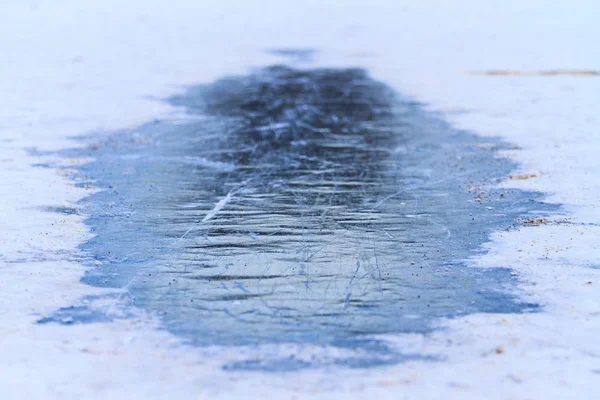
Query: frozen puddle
(303, 206)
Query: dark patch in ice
(295, 55)
(307, 206)
(364, 353)
(90, 309)
(63, 210)
(287, 364)
(76, 315)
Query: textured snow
(99, 66)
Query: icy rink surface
(93, 68)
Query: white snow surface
(78, 67)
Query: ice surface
(345, 211)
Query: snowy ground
(78, 67)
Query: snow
(97, 66)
